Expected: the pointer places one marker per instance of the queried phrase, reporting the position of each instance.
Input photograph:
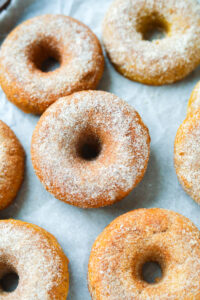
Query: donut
(187, 154)
(90, 149)
(36, 257)
(194, 101)
(12, 159)
(157, 62)
(140, 236)
(27, 48)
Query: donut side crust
(194, 101)
(11, 165)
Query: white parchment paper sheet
(162, 109)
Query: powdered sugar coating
(37, 258)
(187, 154)
(159, 61)
(78, 51)
(132, 239)
(121, 163)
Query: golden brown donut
(160, 61)
(140, 236)
(37, 258)
(90, 149)
(187, 154)
(29, 45)
(194, 101)
(11, 165)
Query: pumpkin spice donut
(135, 238)
(90, 149)
(161, 61)
(31, 44)
(11, 165)
(187, 154)
(35, 256)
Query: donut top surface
(66, 125)
(144, 235)
(162, 60)
(36, 257)
(67, 40)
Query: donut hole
(50, 64)
(151, 272)
(9, 282)
(9, 278)
(89, 146)
(149, 265)
(153, 28)
(45, 56)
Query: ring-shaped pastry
(135, 238)
(36, 257)
(90, 149)
(32, 43)
(160, 61)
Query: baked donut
(36, 257)
(27, 47)
(140, 236)
(187, 154)
(194, 101)
(160, 61)
(90, 149)
(11, 165)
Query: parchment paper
(162, 109)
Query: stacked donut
(90, 149)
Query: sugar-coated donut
(160, 61)
(90, 149)
(187, 154)
(36, 257)
(11, 165)
(140, 236)
(26, 48)
(194, 101)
